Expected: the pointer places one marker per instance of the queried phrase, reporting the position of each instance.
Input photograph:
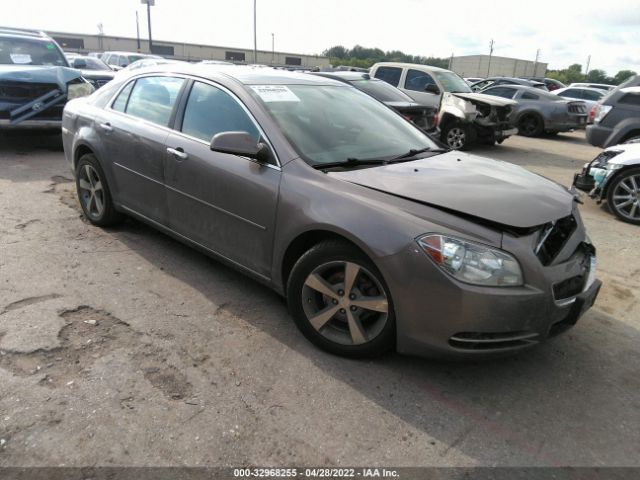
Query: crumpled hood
(496, 191)
(39, 74)
(488, 99)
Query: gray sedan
(541, 112)
(377, 237)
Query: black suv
(35, 80)
(617, 116)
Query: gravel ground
(124, 347)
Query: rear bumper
(599, 136)
(571, 122)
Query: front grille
(24, 91)
(492, 340)
(577, 108)
(553, 237)
(568, 288)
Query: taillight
(592, 113)
(436, 119)
(407, 117)
(601, 112)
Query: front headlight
(472, 262)
(77, 90)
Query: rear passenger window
(418, 81)
(500, 92)
(529, 96)
(153, 98)
(120, 104)
(572, 93)
(210, 110)
(389, 74)
(630, 99)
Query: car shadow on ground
(553, 405)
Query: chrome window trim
(110, 103)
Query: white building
(485, 66)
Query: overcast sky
(565, 32)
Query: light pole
(137, 31)
(273, 49)
(149, 4)
(255, 36)
(490, 55)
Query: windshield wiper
(350, 162)
(412, 153)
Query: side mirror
(79, 63)
(432, 88)
(240, 143)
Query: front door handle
(179, 153)
(106, 127)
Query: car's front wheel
(457, 136)
(340, 302)
(623, 196)
(531, 125)
(93, 192)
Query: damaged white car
(614, 176)
(465, 117)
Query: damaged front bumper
(32, 98)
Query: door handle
(179, 153)
(106, 127)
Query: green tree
(622, 75)
(597, 76)
(364, 57)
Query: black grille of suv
(553, 237)
(15, 92)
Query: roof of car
(346, 76)
(417, 66)
(23, 32)
(579, 87)
(117, 52)
(247, 75)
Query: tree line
(364, 57)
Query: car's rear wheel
(457, 136)
(531, 125)
(94, 194)
(623, 196)
(340, 302)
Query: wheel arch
(80, 150)
(302, 243)
(615, 176)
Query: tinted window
(500, 92)
(210, 110)
(153, 98)
(120, 103)
(389, 74)
(529, 96)
(381, 91)
(591, 95)
(418, 81)
(452, 82)
(571, 93)
(630, 99)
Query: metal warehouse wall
(183, 51)
(478, 66)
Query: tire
(530, 125)
(94, 194)
(318, 289)
(457, 136)
(623, 196)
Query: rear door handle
(178, 153)
(106, 127)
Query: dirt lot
(124, 347)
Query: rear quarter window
(630, 99)
(390, 75)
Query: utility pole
(450, 61)
(535, 64)
(273, 49)
(587, 69)
(490, 54)
(100, 35)
(137, 31)
(149, 4)
(255, 34)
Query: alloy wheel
(345, 303)
(456, 138)
(91, 191)
(626, 197)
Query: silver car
(377, 237)
(539, 112)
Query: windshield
(327, 124)
(452, 82)
(18, 51)
(381, 91)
